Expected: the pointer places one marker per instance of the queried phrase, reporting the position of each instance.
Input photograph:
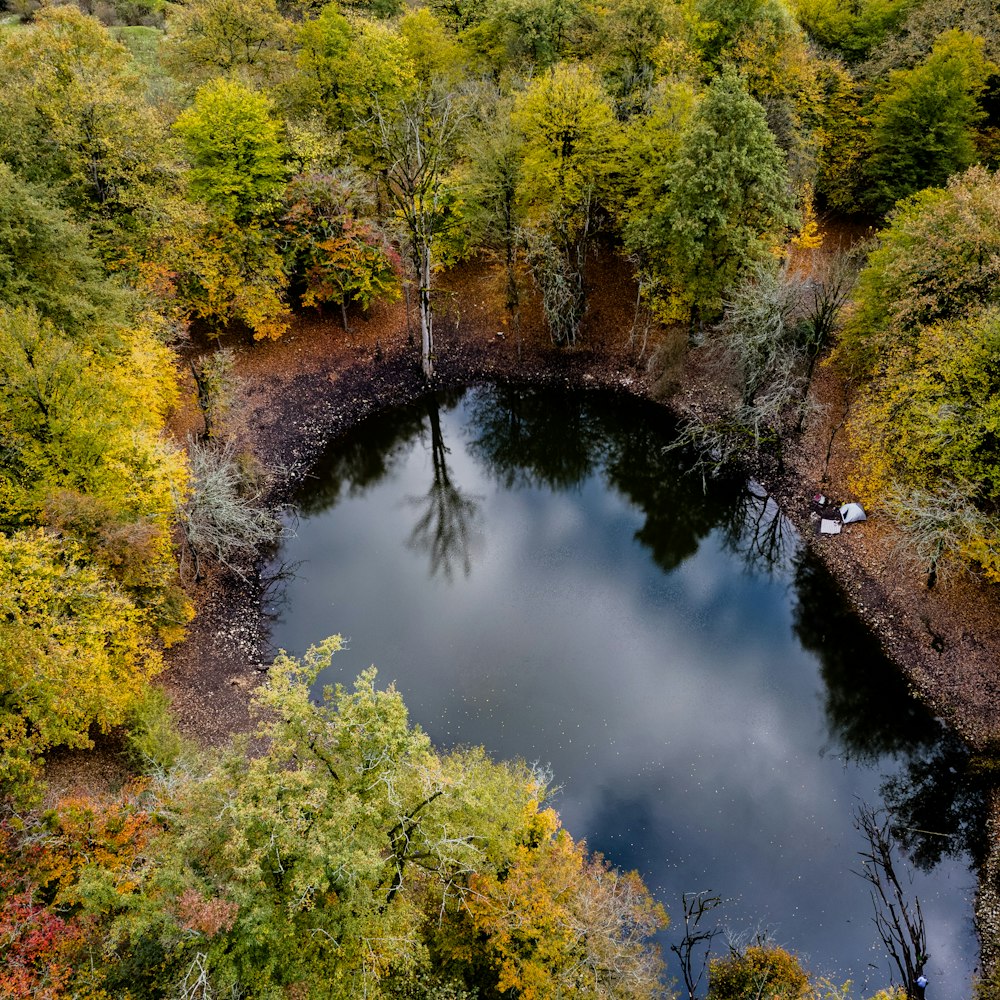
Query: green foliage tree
(437, 57)
(849, 27)
(922, 123)
(926, 431)
(236, 150)
(920, 342)
(46, 261)
(723, 204)
(491, 188)
(525, 34)
(720, 25)
(938, 257)
(346, 70)
(629, 34)
(417, 142)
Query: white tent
(851, 512)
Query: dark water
(538, 575)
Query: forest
(170, 172)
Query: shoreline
(296, 395)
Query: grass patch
(143, 43)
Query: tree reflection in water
(446, 529)
(938, 797)
(551, 439)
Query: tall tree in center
(416, 143)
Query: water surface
(539, 575)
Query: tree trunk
(426, 317)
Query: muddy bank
(292, 397)
(295, 395)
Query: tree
(211, 37)
(46, 262)
(207, 267)
(493, 150)
(417, 143)
(570, 148)
(72, 113)
(557, 924)
(758, 971)
(725, 204)
(922, 121)
(925, 430)
(630, 32)
(529, 34)
(437, 57)
(938, 257)
(236, 150)
(63, 627)
(722, 24)
(348, 70)
(445, 529)
(335, 253)
(923, 22)
(81, 421)
(223, 518)
(850, 27)
(900, 925)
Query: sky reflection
(679, 710)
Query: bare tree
(900, 925)
(416, 143)
(696, 906)
(446, 528)
(938, 526)
(224, 518)
(212, 377)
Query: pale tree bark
(417, 142)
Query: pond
(540, 574)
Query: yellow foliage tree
(75, 652)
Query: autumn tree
(921, 342)
(760, 970)
(223, 261)
(208, 38)
(526, 34)
(938, 256)
(925, 428)
(64, 627)
(556, 923)
(72, 113)
(720, 25)
(570, 147)
(336, 254)
(630, 33)
(417, 142)
(923, 120)
(208, 267)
